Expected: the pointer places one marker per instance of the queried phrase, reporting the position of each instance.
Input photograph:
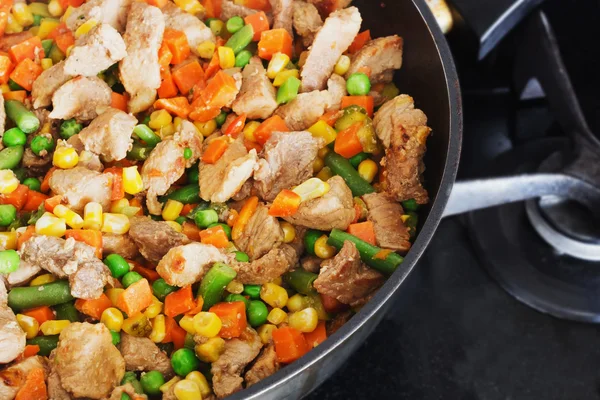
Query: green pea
(243, 58)
(130, 278)
(116, 338)
(220, 119)
(253, 291)
(311, 236)
(41, 143)
(14, 137)
(410, 205)
(358, 84)
(187, 153)
(184, 361)
(241, 256)
(180, 220)
(125, 396)
(205, 218)
(33, 184)
(151, 382)
(11, 157)
(257, 313)
(161, 289)
(226, 228)
(118, 265)
(234, 24)
(232, 298)
(8, 213)
(9, 261)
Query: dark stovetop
(453, 333)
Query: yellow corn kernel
(132, 180)
(115, 223)
(159, 118)
(165, 131)
(273, 295)
(34, 30)
(323, 152)
(276, 316)
(265, 332)
(12, 26)
(54, 327)
(92, 216)
(85, 27)
(40, 9)
(302, 59)
(55, 9)
(187, 323)
(297, 302)
(68, 52)
(404, 217)
(42, 280)
(207, 324)
(305, 320)
(5, 88)
(311, 189)
(46, 63)
(22, 14)
(322, 249)
(29, 325)
(65, 157)
(153, 309)
(159, 329)
(67, 13)
(368, 169)
(8, 181)
(187, 390)
(171, 210)
(72, 219)
(176, 122)
(211, 350)
(196, 376)
(235, 287)
(206, 49)
(278, 62)
(249, 130)
(175, 226)
(342, 66)
(113, 294)
(113, 319)
(278, 281)
(137, 325)
(49, 225)
(206, 128)
(168, 385)
(46, 27)
(283, 76)
(8, 240)
(226, 57)
(217, 26)
(322, 130)
(325, 174)
(190, 6)
(318, 165)
(117, 206)
(289, 232)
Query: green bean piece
(242, 59)
(161, 289)
(33, 184)
(383, 261)
(358, 84)
(342, 167)
(184, 361)
(37, 20)
(14, 85)
(151, 382)
(21, 116)
(8, 213)
(9, 261)
(147, 135)
(125, 396)
(56, 54)
(193, 174)
(181, 220)
(241, 256)
(410, 205)
(252, 291)
(188, 194)
(220, 119)
(47, 46)
(205, 218)
(131, 377)
(10, 157)
(310, 237)
(139, 152)
(241, 39)
(67, 311)
(117, 265)
(225, 227)
(20, 173)
(411, 223)
(116, 338)
(357, 159)
(50, 294)
(36, 215)
(21, 220)
(232, 298)
(46, 343)
(41, 144)
(130, 278)
(213, 284)
(257, 313)
(234, 24)
(14, 137)
(288, 90)
(69, 128)
(300, 280)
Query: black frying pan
(428, 74)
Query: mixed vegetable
(193, 193)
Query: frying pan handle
(476, 194)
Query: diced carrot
(167, 87)
(41, 314)
(198, 308)
(186, 76)
(63, 4)
(34, 200)
(270, 125)
(290, 344)
(164, 56)
(331, 304)
(63, 37)
(26, 49)
(213, 8)
(363, 230)
(88, 236)
(253, 145)
(34, 387)
(347, 143)
(187, 208)
(93, 307)
(359, 41)
(285, 204)
(179, 302)
(19, 95)
(135, 202)
(30, 350)
(25, 73)
(213, 66)
(75, 3)
(232, 217)
(244, 216)
(52, 202)
(330, 117)
(157, 3)
(191, 231)
(198, 88)
(274, 41)
(116, 174)
(178, 45)
(214, 151)
(174, 333)
(6, 67)
(201, 112)
(259, 22)
(365, 102)
(118, 101)
(215, 236)
(25, 236)
(175, 105)
(135, 298)
(317, 336)
(45, 186)
(233, 318)
(147, 273)
(236, 126)
(17, 198)
(4, 11)
(220, 91)
(263, 5)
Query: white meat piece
(109, 135)
(195, 30)
(82, 98)
(283, 12)
(47, 83)
(111, 12)
(306, 109)
(257, 98)
(306, 20)
(22, 275)
(187, 264)
(12, 337)
(79, 186)
(382, 56)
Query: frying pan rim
(393, 283)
